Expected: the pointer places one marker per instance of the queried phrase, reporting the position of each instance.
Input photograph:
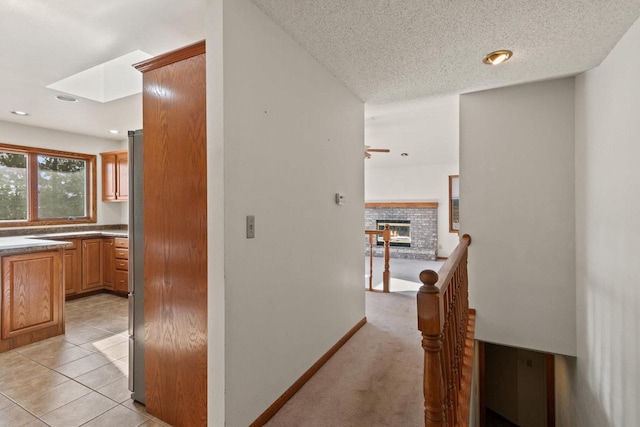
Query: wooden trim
(282, 400)
(443, 257)
(551, 391)
(482, 384)
(32, 186)
(401, 205)
(115, 152)
(171, 57)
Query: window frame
(32, 154)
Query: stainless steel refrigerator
(136, 269)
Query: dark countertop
(41, 242)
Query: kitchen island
(38, 271)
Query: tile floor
(76, 379)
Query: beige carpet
(374, 380)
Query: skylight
(106, 82)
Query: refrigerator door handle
(131, 299)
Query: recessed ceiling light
(404, 154)
(66, 98)
(19, 113)
(497, 57)
(114, 131)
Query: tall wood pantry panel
(175, 235)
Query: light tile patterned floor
(76, 379)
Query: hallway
(375, 379)
(80, 378)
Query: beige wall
(290, 136)
(517, 203)
(605, 381)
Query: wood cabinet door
(121, 281)
(122, 176)
(109, 265)
(31, 293)
(108, 177)
(72, 273)
(92, 264)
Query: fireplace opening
(400, 232)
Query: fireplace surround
(422, 218)
(400, 232)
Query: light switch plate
(251, 226)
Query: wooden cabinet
(71, 268)
(115, 176)
(109, 263)
(32, 298)
(92, 264)
(121, 272)
(175, 271)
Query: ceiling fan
(368, 150)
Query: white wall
(517, 203)
(606, 381)
(292, 137)
(427, 129)
(30, 136)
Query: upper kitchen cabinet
(115, 176)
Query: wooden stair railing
(447, 325)
(386, 275)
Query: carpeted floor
(375, 379)
(404, 272)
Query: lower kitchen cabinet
(92, 264)
(121, 265)
(71, 266)
(121, 281)
(32, 298)
(109, 263)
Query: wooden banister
(444, 319)
(386, 275)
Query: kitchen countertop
(38, 243)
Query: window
(45, 187)
(454, 203)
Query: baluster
(371, 236)
(430, 320)
(386, 275)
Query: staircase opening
(516, 387)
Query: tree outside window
(13, 187)
(40, 186)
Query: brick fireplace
(414, 228)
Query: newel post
(386, 275)
(430, 321)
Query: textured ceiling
(390, 50)
(384, 50)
